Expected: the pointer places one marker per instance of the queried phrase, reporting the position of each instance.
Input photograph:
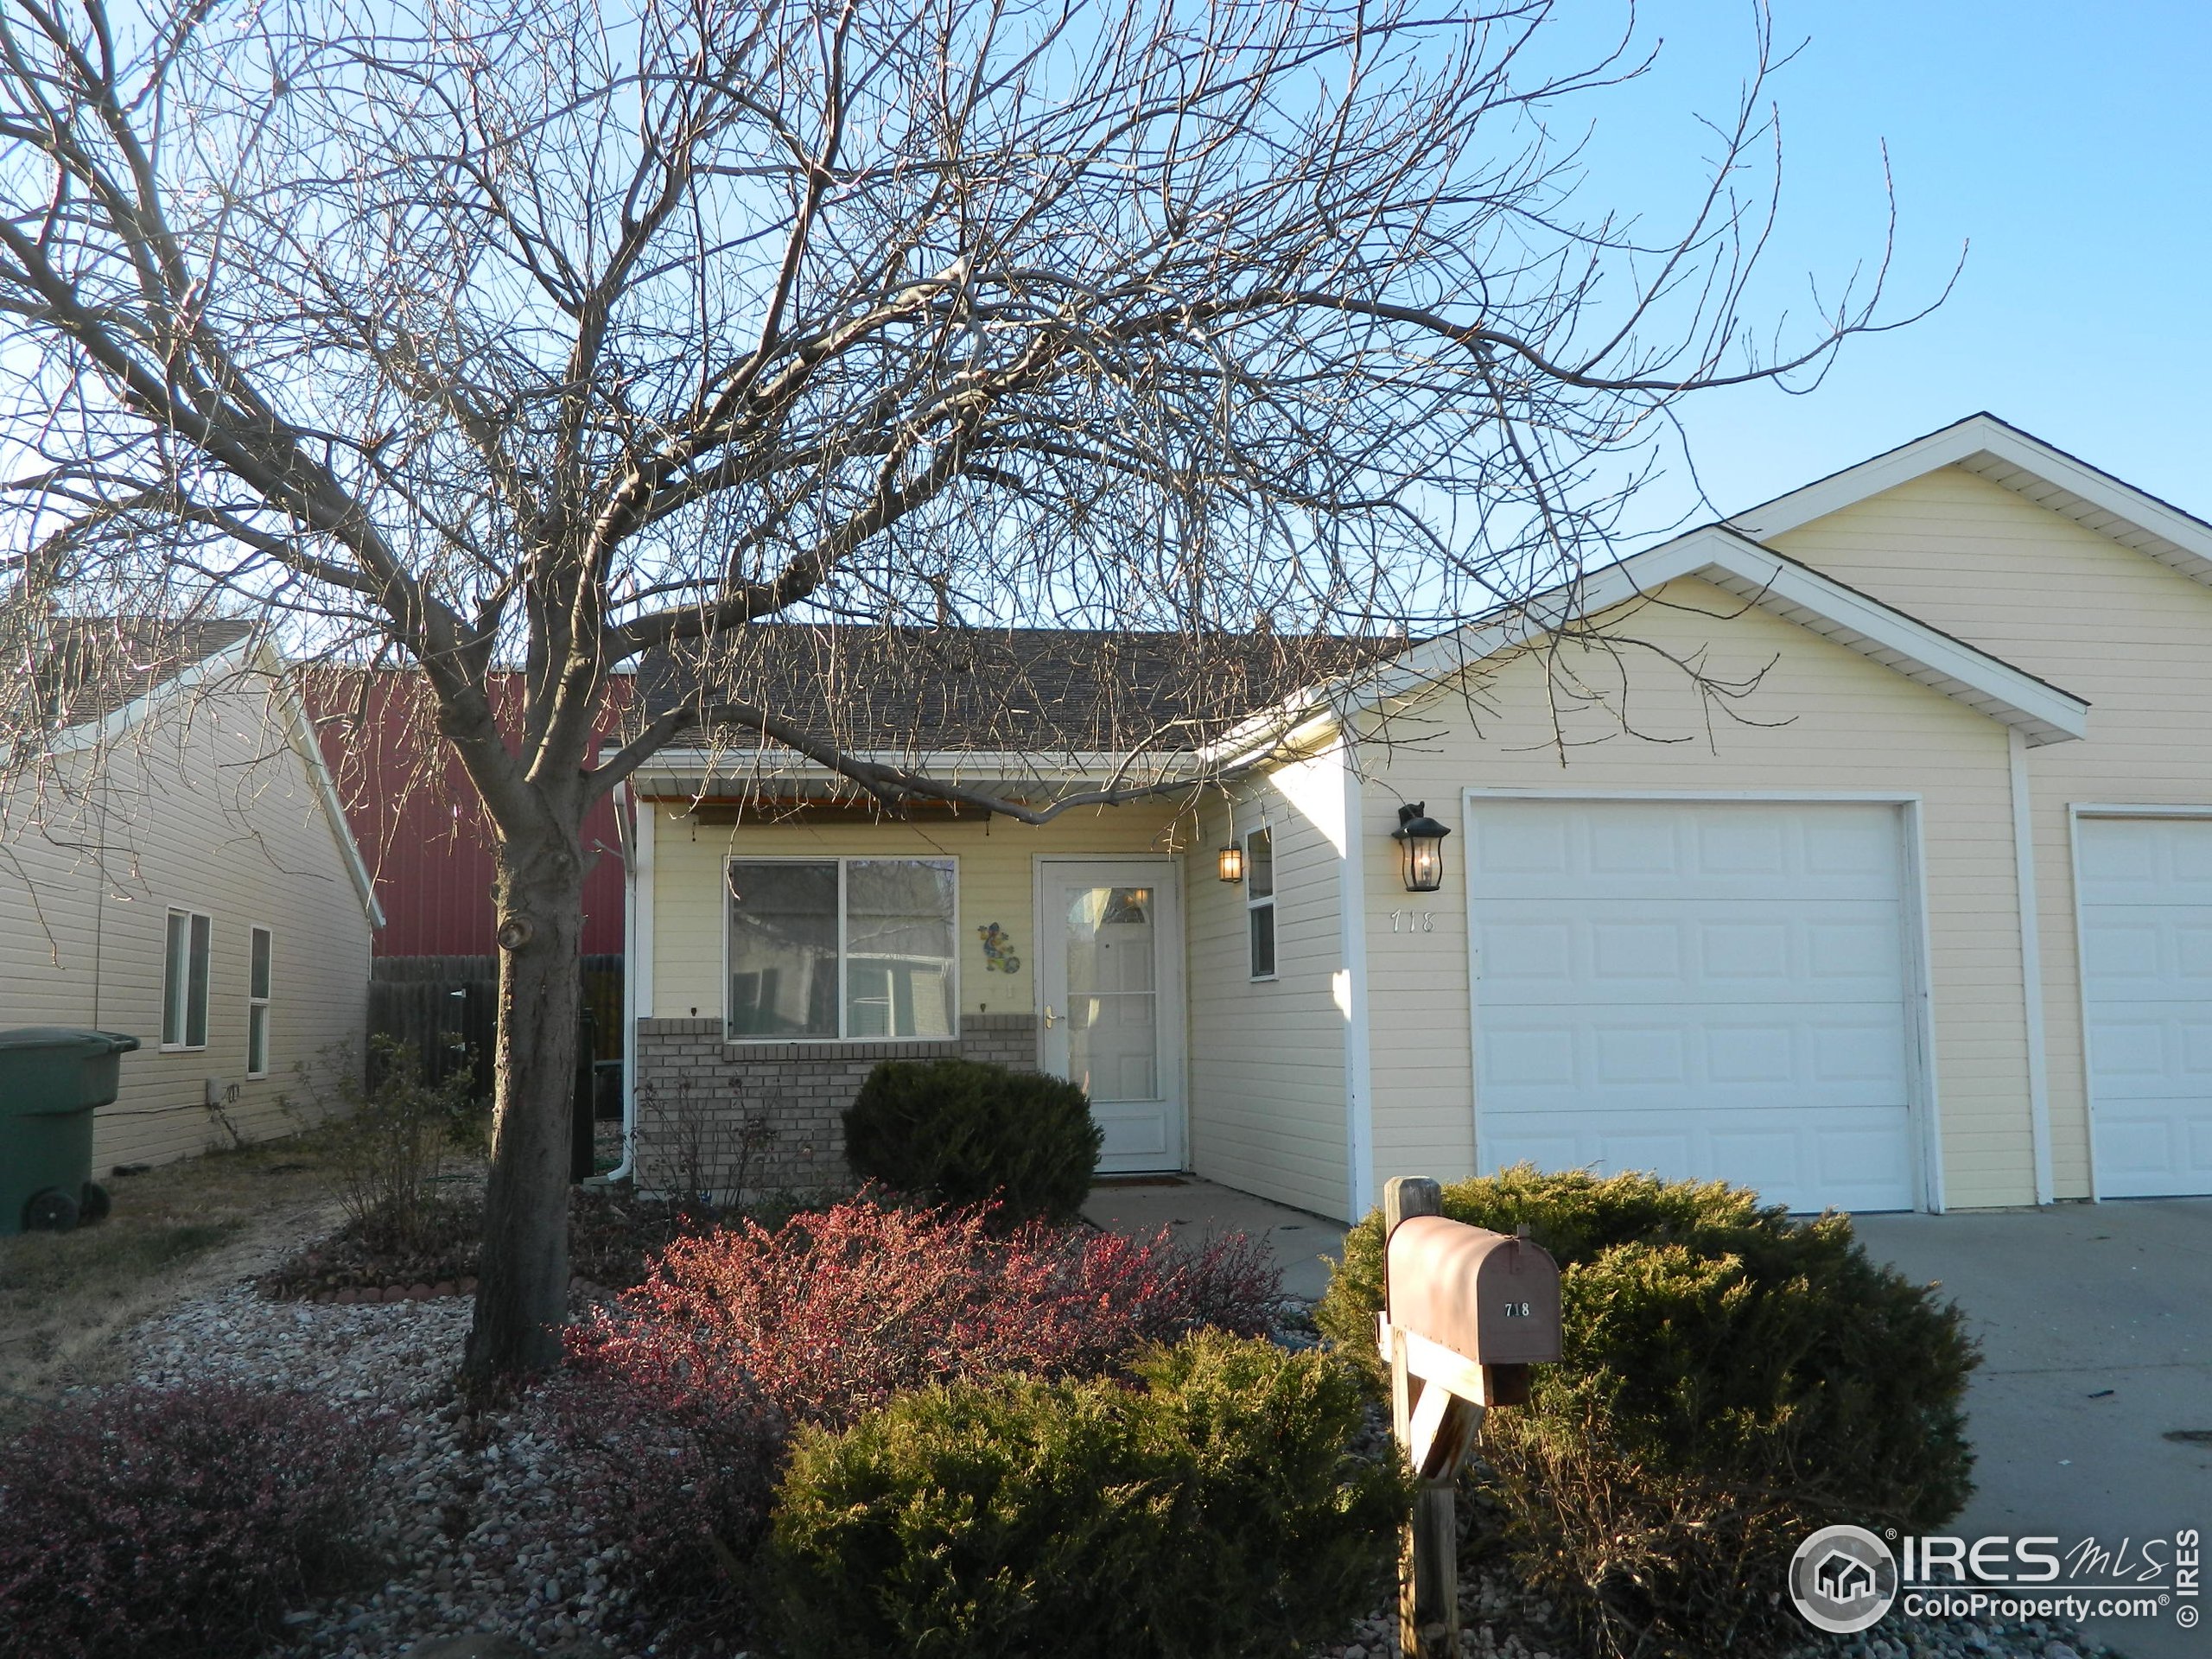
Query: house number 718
(1413, 921)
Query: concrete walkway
(2095, 1323)
(1195, 1209)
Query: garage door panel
(2146, 972)
(2112, 949)
(1688, 1056)
(1706, 989)
(1726, 852)
(1805, 1159)
(1678, 951)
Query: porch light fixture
(1232, 861)
(1420, 846)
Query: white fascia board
(1759, 576)
(1982, 443)
(2041, 712)
(309, 749)
(93, 734)
(252, 654)
(678, 770)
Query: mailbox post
(1465, 1312)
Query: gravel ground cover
(471, 1512)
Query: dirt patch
(174, 1231)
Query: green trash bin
(51, 1079)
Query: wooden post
(1428, 1559)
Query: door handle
(1050, 1019)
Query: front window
(853, 947)
(184, 981)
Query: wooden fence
(446, 1008)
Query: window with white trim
(1260, 901)
(184, 979)
(261, 945)
(829, 949)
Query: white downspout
(630, 828)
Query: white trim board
(2024, 877)
(1351, 920)
(1795, 591)
(1757, 576)
(2020, 462)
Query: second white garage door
(1701, 989)
(2146, 980)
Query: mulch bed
(611, 1236)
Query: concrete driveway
(2095, 1323)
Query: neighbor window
(256, 1003)
(1260, 901)
(854, 948)
(184, 981)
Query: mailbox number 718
(1517, 1311)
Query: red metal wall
(421, 832)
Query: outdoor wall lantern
(1421, 844)
(1232, 861)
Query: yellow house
(1902, 900)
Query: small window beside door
(1260, 901)
(261, 945)
(184, 979)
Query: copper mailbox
(1491, 1296)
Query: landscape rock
(489, 1559)
(473, 1646)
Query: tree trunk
(522, 1290)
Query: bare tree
(563, 332)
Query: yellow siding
(1829, 721)
(2103, 621)
(207, 808)
(996, 868)
(1268, 1056)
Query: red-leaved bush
(838, 1310)
(152, 1523)
(680, 1394)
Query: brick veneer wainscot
(694, 1087)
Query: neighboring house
(180, 870)
(1922, 919)
(418, 821)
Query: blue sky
(2071, 147)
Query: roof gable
(212, 655)
(2020, 462)
(2041, 712)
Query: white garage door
(1700, 989)
(2146, 977)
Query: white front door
(1703, 989)
(2146, 985)
(1109, 945)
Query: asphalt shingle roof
(1033, 690)
(63, 672)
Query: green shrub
(1215, 1510)
(1732, 1379)
(960, 1132)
